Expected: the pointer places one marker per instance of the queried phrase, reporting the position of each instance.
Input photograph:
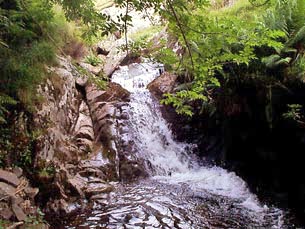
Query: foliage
(34, 220)
(294, 112)
(289, 17)
(45, 169)
(100, 81)
(134, 48)
(5, 101)
(93, 59)
(17, 142)
(4, 223)
(215, 46)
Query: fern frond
(7, 100)
(298, 38)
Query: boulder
(104, 110)
(163, 84)
(114, 92)
(114, 59)
(9, 177)
(83, 130)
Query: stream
(180, 191)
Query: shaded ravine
(180, 193)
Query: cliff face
(63, 116)
(78, 153)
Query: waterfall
(152, 135)
(170, 161)
(180, 192)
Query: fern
(298, 38)
(275, 61)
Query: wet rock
(130, 170)
(83, 130)
(163, 84)
(93, 180)
(9, 177)
(104, 111)
(101, 196)
(92, 172)
(114, 92)
(98, 189)
(18, 212)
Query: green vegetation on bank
(236, 42)
(32, 32)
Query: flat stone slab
(18, 212)
(9, 177)
(98, 189)
(7, 189)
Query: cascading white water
(171, 161)
(151, 133)
(180, 192)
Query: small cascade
(152, 136)
(181, 193)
